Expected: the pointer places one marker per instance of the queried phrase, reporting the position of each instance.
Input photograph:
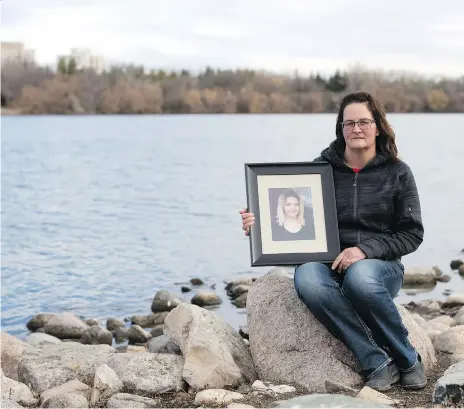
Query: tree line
(131, 89)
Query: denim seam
(366, 328)
(380, 368)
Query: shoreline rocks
(189, 352)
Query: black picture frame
(323, 207)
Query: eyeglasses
(362, 123)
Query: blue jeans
(357, 307)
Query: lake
(101, 212)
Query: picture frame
(282, 234)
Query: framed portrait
(295, 213)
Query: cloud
(277, 35)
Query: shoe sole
(395, 379)
(416, 386)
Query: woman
(379, 219)
(291, 222)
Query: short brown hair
(385, 141)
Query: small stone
(165, 301)
(240, 302)
(444, 278)
(185, 289)
(455, 264)
(137, 335)
(113, 323)
(92, 321)
(372, 395)
(157, 331)
(461, 269)
(243, 331)
(216, 396)
(196, 281)
(205, 298)
(96, 335)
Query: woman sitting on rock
(379, 220)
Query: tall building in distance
(15, 52)
(85, 60)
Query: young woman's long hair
(385, 141)
(281, 203)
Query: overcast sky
(277, 35)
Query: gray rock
(127, 400)
(277, 328)
(92, 321)
(12, 350)
(121, 333)
(449, 389)
(119, 362)
(240, 301)
(137, 335)
(243, 331)
(105, 385)
(206, 298)
(8, 403)
(148, 374)
(113, 323)
(454, 300)
(65, 326)
(278, 271)
(237, 290)
(443, 319)
(450, 345)
(248, 281)
(461, 270)
(54, 365)
(71, 388)
(157, 331)
(165, 301)
(215, 354)
(455, 264)
(339, 388)
(38, 321)
(146, 321)
(38, 339)
(420, 276)
(96, 335)
(445, 278)
(163, 345)
(328, 401)
(68, 400)
(17, 392)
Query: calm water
(99, 213)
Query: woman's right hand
(248, 219)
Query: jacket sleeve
(407, 230)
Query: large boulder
(148, 374)
(17, 392)
(289, 345)
(65, 326)
(215, 354)
(12, 350)
(53, 365)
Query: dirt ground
(406, 398)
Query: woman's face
(292, 207)
(359, 128)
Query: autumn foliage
(131, 90)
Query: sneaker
(415, 378)
(385, 378)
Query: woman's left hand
(347, 257)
